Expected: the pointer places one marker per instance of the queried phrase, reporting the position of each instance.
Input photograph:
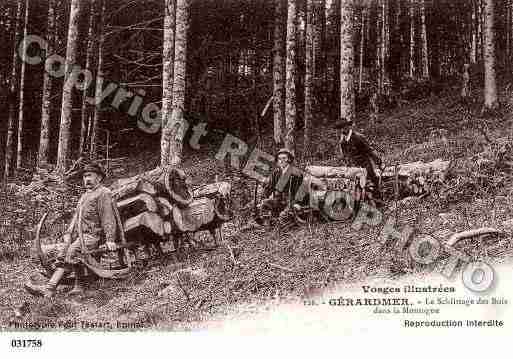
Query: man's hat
(286, 152)
(343, 122)
(93, 167)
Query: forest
(131, 84)
(224, 61)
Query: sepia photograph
(255, 166)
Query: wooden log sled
(414, 179)
(155, 207)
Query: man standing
(279, 192)
(359, 153)
(96, 217)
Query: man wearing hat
(359, 153)
(98, 224)
(283, 184)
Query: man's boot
(78, 289)
(286, 221)
(46, 290)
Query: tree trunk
(93, 151)
(71, 52)
(290, 82)
(167, 77)
(44, 140)
(335, 90)
(479, 23)
(21, 118)
(473, 40)
(510, 28)
(309, 72)
(411, 66)
(396, 47)
(319, 50)
(423, 37)
(386, 30)
(278, 72)
(84, 111)
(490, 89)
(380, 48)
(178, 124)
(509, 33)
(362, 47)
(347, 101)
(13, 90)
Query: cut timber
(336, 178)
(165, 207)
(212, 189)
(137, 204)
(167, 227)
(149, 220)
(133, 188)
(436, 168)
(168, 182)
(199, 213)
(146, 187)
(128, 186)
(430, 170)
(335, 172)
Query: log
(335, 172)
(437, 168)
(168, 182)
(124, 187)
(212, 189)
(168, 227)
(146, 187)
(146, 219)
(137, 204)
(165, 207)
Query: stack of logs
(146, 202)
(410, 179)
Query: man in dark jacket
(95, 214)
(359, 153)
(281, 189)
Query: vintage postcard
(247, 168)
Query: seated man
(280, 190)
(358, 153)
(98, 224)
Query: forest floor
(209, 286)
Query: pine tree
(93, 148)
(278, 71)
(71, 52)
(490, 87)
(167, 78)
(44, 140)
(290, 82)
(21, 118)
(178, 124)
(309, 72)
(347, 100)
(13, 90)
(423, 40)
(411, 67)
(84, 111)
